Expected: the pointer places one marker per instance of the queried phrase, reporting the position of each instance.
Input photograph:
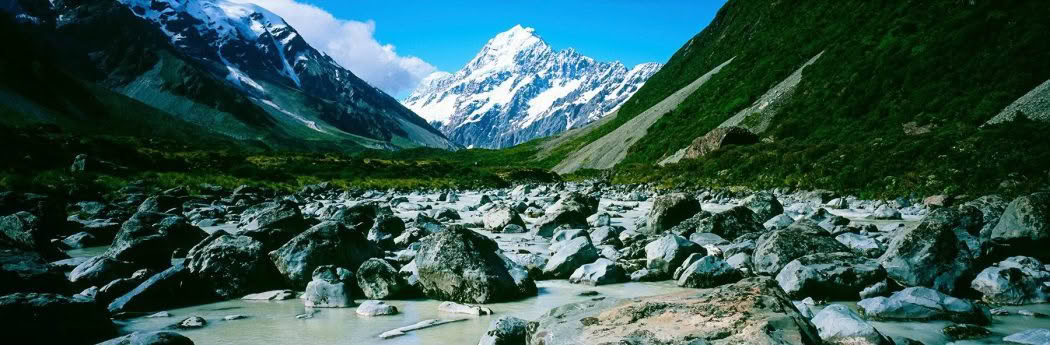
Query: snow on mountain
(517, 88)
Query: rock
(233, 317)
(161, 204)
(605, 235)
(776, 249)
(329, 288)
(739, 313)
(669, 210)
(601, 272)
(764, 205)
(875, 290)
(837, 204)
(964, 332)
(25, 231)
(384, 229)
(497, 219)
(829, 276)
(929, 255)
(886, 212)
(919, 303)
(1034, 336)
(1014, 281)
(379, 280)
(570, 255)
(100, 270)
(860, 244)
(505, 330)
(571, 210)
(82, 239)
(24, 271)
(47, 318)
(709, 272)
(273, 295)
(457, 308)
(937, 201)
(668, 252)
(514, 229)
(376, 308)
(150, 338)
(283, 214)
(159, 314)
(397, 332)
(600, 220)
(461, 265)
(731, 224)
(1025, 226)
(192, 322)
(161, 291)
(328, 243)
(718, 138)
(838, 325)
(232, 266)
(685, 264)
(149, 239)
(778, 222)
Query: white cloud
(353, 45)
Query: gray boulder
(44, 318)
(571, 210)
(328, 243)
(384, 229)
(919, 303)
(1015, 281)
(150, 338)
(709, 272)
(601, 272)
(775, 249)
(861, 244)
(929, 255)
(1025, 226)
(764, 205)
(668, 252)
(830, 276)
(283, 214)
(167, 289)
(1034, 336)
(570, 255)
(24, 271)
(100, 270)
(25, 231)
(330, 287)
(669, 210)
(838, 325)
(505, 330)
(731, 223)
(379, 280)
(376, 308)
(886, 212)
(463, 266)
(232, 266)
(498, 218)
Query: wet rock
(731, 224)
(886, 212)
(24, 271)
(376, 308)
(708, 272)
(875, 290)
(445, 214)
(25, 231)
(830, 276)
(601, 272)
(571, 210)
(384, 229)
(764, 205)
(232, 266)
(150, 338)
(838, 325)
(669, 210)
(860, 244)
(330, 287)
(148, 239)
(273, 295)
(778, 222)
(919, 303)
(1034, 336)
(606, 235)
(505, 330)
(163, 290)
(570, 255)
(963, 332)
(82, 239)
(328, 243)
(668, 252)
(497, 219)
(1015, 281)
(283, 214)
(379, 280)
(740, 313)
(461, 265)
(45, 318)
(929, 255)
(100, 270)
(458, 308)
(192, 322)
(775, 249)
(1025, 226)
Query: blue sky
(393, 44)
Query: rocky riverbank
(750, 267)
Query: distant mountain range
(229, 69)
(518, 88)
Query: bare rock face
(718, 138)
(752, 311)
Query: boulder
(375, 308)
(379, 280)
(192, 322)
(150, 338)
(461, 265)
(330, 287)
(498, 218)
(570, 255)
(272, 295)
(668, 252)
(384, 229)
(282, 214)
(1025, 226)
(829, 276)
(601, 272)
(25, 271)
(1034, 336)
(778, 222)
(1015, 281)
(100, 270)
(149, 239)
(838, 325)
(708, 272)
(167, 289)
(606, 235)
(669, 210)
(919, 303)
(886, 212)
(328, 243)
(718, 138)
(571, 210)
(764, 205)
(861, 244)
(25, 231)
(731, 223)
(957, 332)
(505, 330)
(232, 266)
(753, 311)
(929, 255)
(45, 318)
(775, 249)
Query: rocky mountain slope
(518, 88)
(900, 97)
(236, 69)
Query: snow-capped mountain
(517, 88)
(257, 52)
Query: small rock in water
(234, 317)
(192, 322)
(589, 293)
(457, 308)
(964, 332)
(376, 308)
(505, 330)
(275, 295)
(1029, 313)
(159, 314)
(1034, 336)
